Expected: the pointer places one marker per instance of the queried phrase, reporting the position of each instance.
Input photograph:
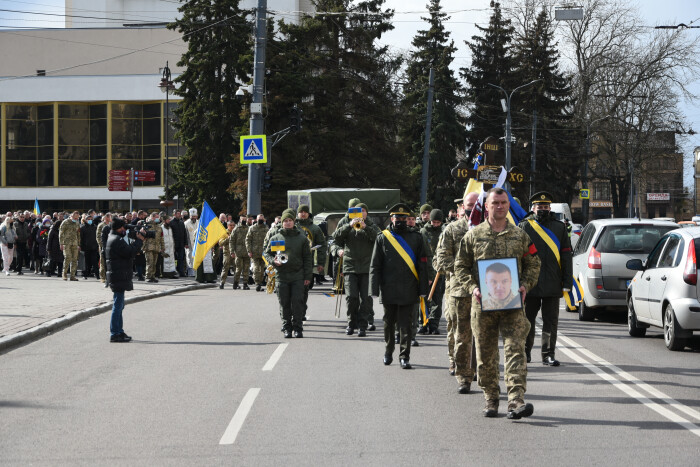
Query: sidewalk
(32, 300)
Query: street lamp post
(508, 118)
(166, 85)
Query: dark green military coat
(300, 263)
(315, 235)
(357, 246)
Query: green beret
(436, 215)
(288, 215)
(425, 207)
(354, 202)
(304, 208)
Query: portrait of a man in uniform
(497, 278)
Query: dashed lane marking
(239, 417)
(274, 358)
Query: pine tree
(558, 159)
(492, 63)
(433, 48)
(218, 58)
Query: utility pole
(426, 145)
(257, 124)
(533, 158)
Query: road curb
(49, 327)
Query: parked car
(576, 230)
(664, 292)
(686, 224)
(601, 256)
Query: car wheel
(585, 313)
(672, 330)
(632, 326)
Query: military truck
(329, 205)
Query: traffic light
(267, 179)
(295, 118)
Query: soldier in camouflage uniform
(227, 256)
(496, 238)
(69, 239)
(458, 311)
(431, 231)
(106, 221)
(254, 240)
(153, 246)
(237, 245)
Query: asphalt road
(207, 382)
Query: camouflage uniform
(103, 260)
(494, 304)
(458, 303)
(69, 238)
(226, 251)
(254, 240)
(152, 247)
(237, 245)
(482, 242)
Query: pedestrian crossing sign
(584, 194)
(253, 149)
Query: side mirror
(635, 265)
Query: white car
(664, 292)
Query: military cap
(437, 215)
(362, 205)
(288, 215)
(541, 197)
(399, 209)
(354, 202)
(458, 201)
(289, 210)
(304, 208)
(425, 207)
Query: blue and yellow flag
(354, 213)
(277, 245)
(574, 296)
(37, 211)
(209, 232)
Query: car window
(637, 238)
(653, 259)
(668, 257)
(585, 240)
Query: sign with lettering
(658, 196)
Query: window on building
(82, 144)
(136, 138)
(601, 190)
(29, 145)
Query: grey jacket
(7, 235)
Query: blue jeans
(116, 323)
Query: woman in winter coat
(54, 251)
(41, 245)
(34, 248)
(8, 236)
(89, 247)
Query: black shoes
(518, 409)
(287, 334)
(491, 409)
(221, 286)
(372, 327)
(245, 286)
(396, 338)
(464, 388)
(152, 280)
(414, 343)
(405, 365)
(235, 286)
(423, 330)
(451, 369)
(349, 331)
(141, 279)
(258, 288)
(304, 318)
(527, 354)
(362, 333)
(388, 359)
(120, 338)
(550, 361)
(435, 332)
(298, 334)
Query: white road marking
(234, 427)
(274, 358)
(597, 363)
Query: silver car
(664, 292)
(601, 255)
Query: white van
(561, 211)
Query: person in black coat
(41, 243)
(54, 250)
(401, 283)
(89, 247)
(181, 240)
(120, 252)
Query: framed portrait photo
(499, 284)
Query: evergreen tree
(218, 58)
(558, 156)
(492, 63)
(433, 48)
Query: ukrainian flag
(37, 211)
(209, 232)
(574, 296)
(354, 213)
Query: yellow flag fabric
(473, 187)
(209, 232)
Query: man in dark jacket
(54, 249)
(181, 241)
(399, 271)
(89, 247)
(120, 258)
(23, 229)
(431, 232)
(554, 250)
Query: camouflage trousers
(513, 326)
(258, 270)
(450, 318)
(464, 369)
(151, 263)
(225, 268)
(242, 268)
(70, 261)
(103, 266)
